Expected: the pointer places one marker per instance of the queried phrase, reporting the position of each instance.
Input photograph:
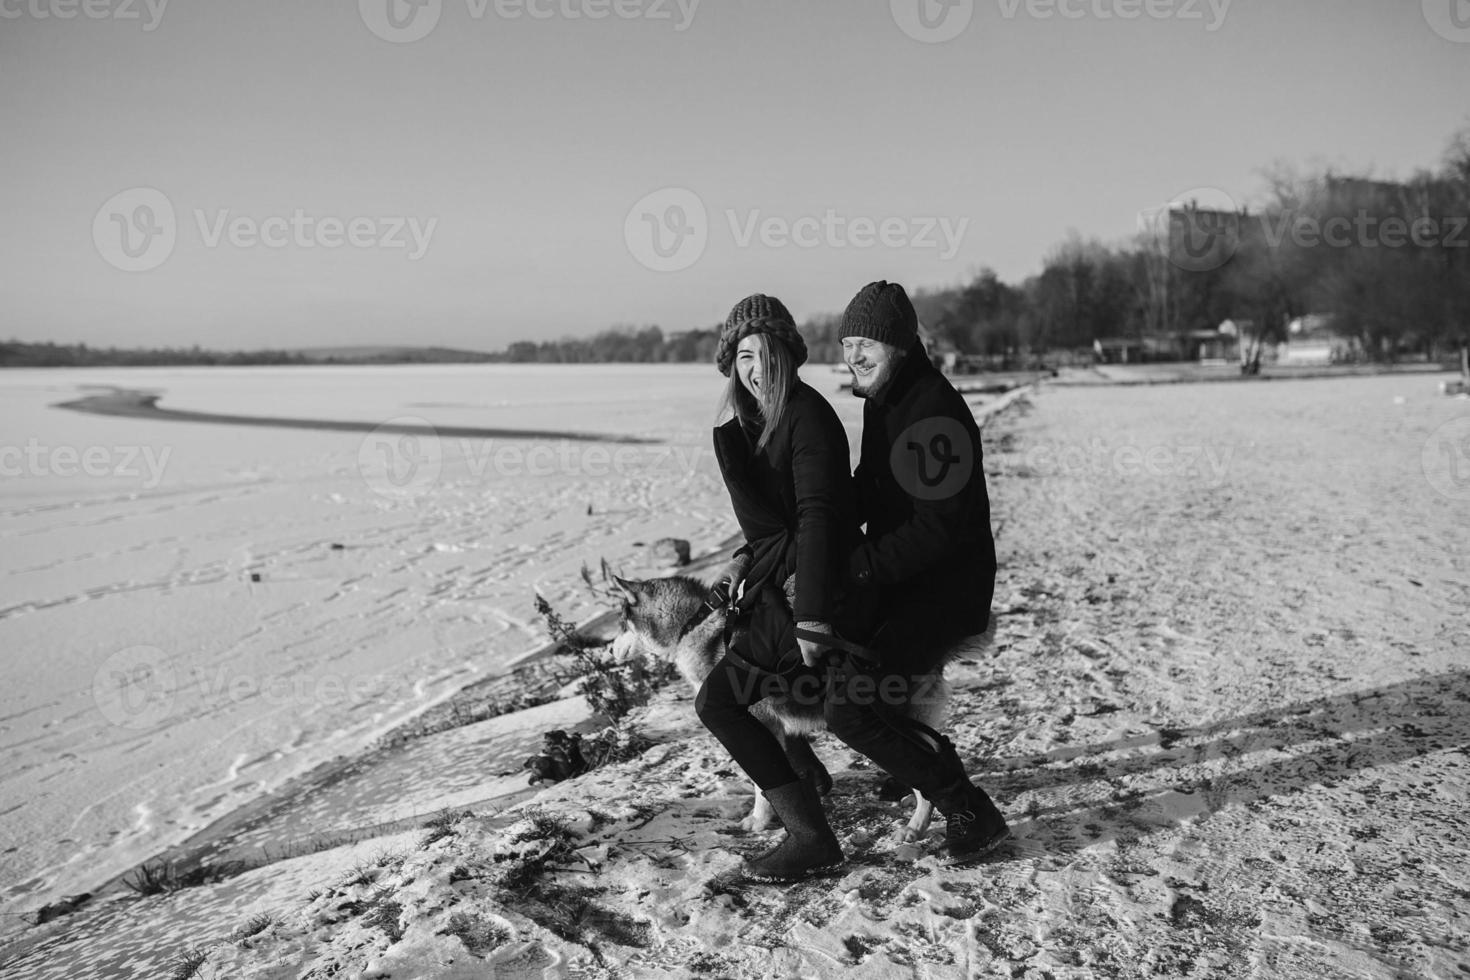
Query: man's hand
(811, 650)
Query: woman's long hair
(778, 377)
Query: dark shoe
(973, 825)
(809, 846)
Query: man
(928, 554)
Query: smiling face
(762, 379)
(872, 363)
(748, 366)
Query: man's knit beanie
(758, 314)
(881, 311)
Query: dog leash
(717, 599)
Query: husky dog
(671, 619)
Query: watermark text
(122, 462)
(148, 12)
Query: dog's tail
(980, 644)
(936, 660)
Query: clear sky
(332, 180)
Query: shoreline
(1170, 373)
(211, 846)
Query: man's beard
(877, 381)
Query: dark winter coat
(921, 491)
(795, 504)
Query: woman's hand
(728, 582)
(811, 650)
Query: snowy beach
(370, 495)
(1226, 712)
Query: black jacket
(795, 502)
(921, 492)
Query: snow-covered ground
(192, 613)
(1226, 713)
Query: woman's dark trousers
(724, 704)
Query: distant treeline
(642, 345)
(14, 353)
(645, 345)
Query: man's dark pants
(866, 702)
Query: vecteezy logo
(1450, 19)
(933, 458)
(1446, 459)
(134, 688)
(932, 21)
(400, 21)
(135, 231)
(401, 458)
(1198, 230)
(668, 230)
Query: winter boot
(973, 825)
(809, 845)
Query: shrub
(612, 686)
(188, 964)
(478, 935)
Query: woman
(784, 458)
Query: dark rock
(671, 551)
(66, 906)
(560, 758)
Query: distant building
(1379, 198)
(1138, 350)
(1215, 347)
(1118, 350)
(1316, 339)
(1205, 239)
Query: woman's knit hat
(758, 314)
(881, 311)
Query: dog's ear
(632, 591)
